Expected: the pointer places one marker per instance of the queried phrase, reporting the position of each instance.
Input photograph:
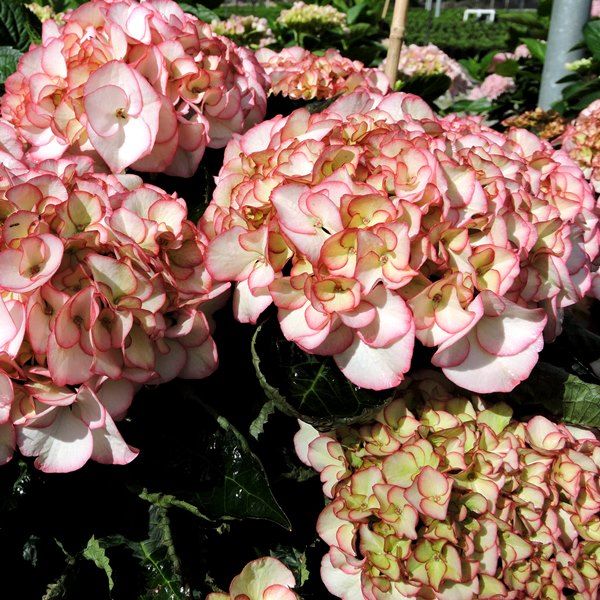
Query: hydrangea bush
(581, 140)
(101, 285)
(446, 496)
(311, 18)
(299, 74)
(430, 60)
(247, 30)
(375, 222)
(136, 84)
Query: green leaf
(508, 68)
(157, 556)
(257, 426)
(429, 87)
(536, 47)
(200, 11)
(355, 12)
(168, 501)
(591, 35)
(19, 27)
(562, 394)
(295, 560)
(309, 387)
(239, 485)
(94, 552)
(9, 59)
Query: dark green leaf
(508, 68)
(536, 47)
(94, 552)
(309, 387)
(19, 27)
(429, 87)
(200, 11)
(9, 59)
(562, 394)
(240, 488)
(591, 35)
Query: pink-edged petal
(109, 447)
(377, 368)
(64, 446)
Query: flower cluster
(300, 74)
(262, 579)
(139, 84)
(101, 281)
(311, 18)
(45, 12)
(456, 500)
(581, 140)
(521, 52)
(431, 60)
(492, 87)
(375, 222)
(248, 30)
(548, 124)
(595, 9)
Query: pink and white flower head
(101, 284)
(246, 30)
(262, 579)
(430, 60)
(375, 222)
(444, 497)
(138, 84)
(492, 87)
(299, 74)
(582, 142)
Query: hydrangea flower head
(138, 84)
(375, 222)
(299, 74)
(262, 579)
(445, 497)
(582, 141)
(102, 280)
(311, 18)
(430, 60)
(246, 30)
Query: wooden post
(386, 6)
(396, 37)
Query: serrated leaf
(94, 552)
(309, 387)
(565, 395)
(9, 59)
(19, 27)
(168, 501)
(200, 11)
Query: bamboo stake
(386, 7)
(396, 37)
